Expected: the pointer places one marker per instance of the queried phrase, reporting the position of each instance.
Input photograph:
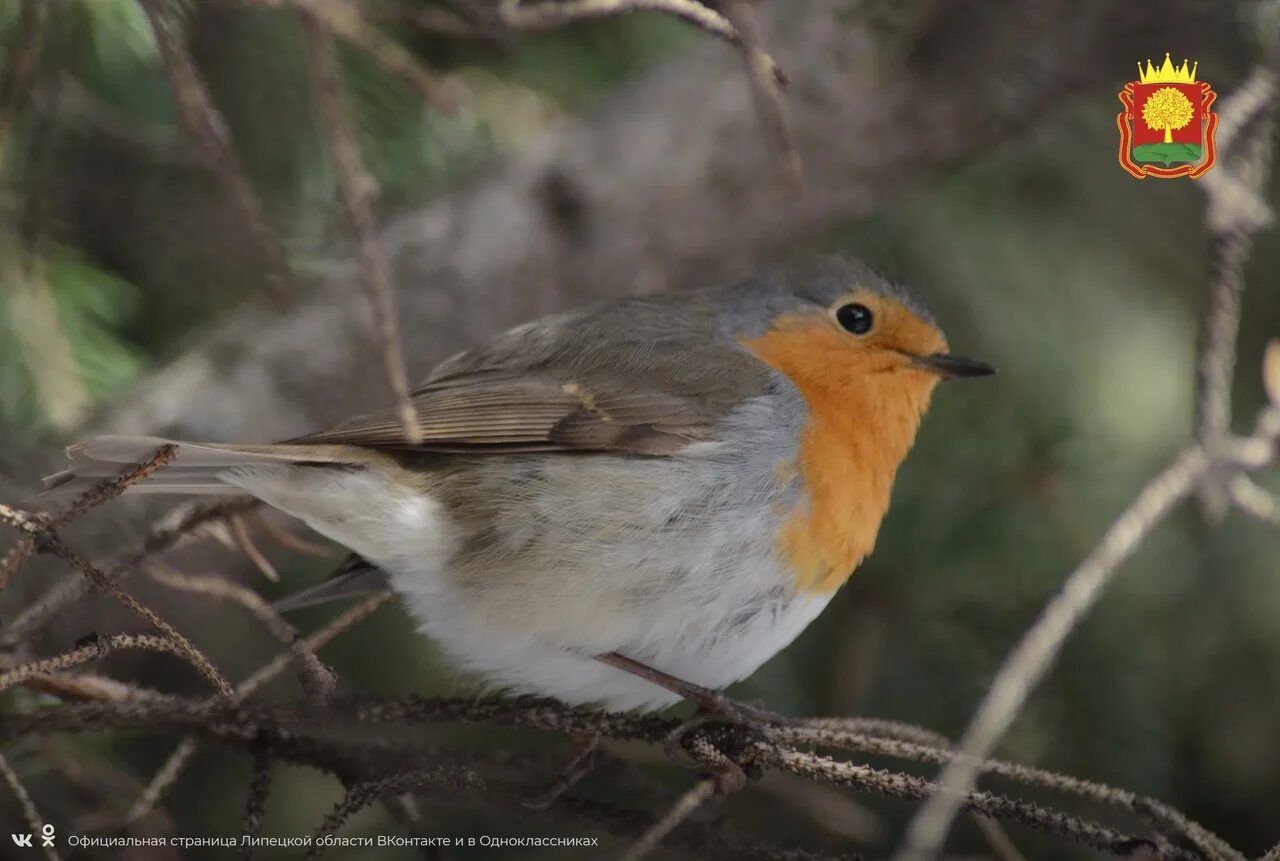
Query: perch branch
(277, 727)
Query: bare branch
(94, 649)
(163, 537)
(206, 126)
(181, 755)
(162, 779)
(357, 189)
(48, 542)
(259, 788)
(1235, 212)
(319, 679)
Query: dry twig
(104, 492)
(162, 537)
(181, 755)
(766, 88)
(48, 541)
(357, 189)
(94, 649)
(207, 128)
(699, 794)
(345, 21)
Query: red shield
(1167, 129)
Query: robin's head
(840, 316)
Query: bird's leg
(581, 760)
(711, 704)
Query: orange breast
(863, 419)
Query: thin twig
(164, 778)
(259, 789)
(357, 189)
(95, 649)
(346, 22)
(29, 811)
(1233, 217)
(1027, 664)
(1200, 469)
(181, 755)
(361, 795)
(319, 679)
(208, 129)
(103, 492)
(48, 542)
(1254, 500)
(766, 89)
(162, 537)
(261, 562)
(932, 752)
(684, 807)
(88, 686)
(552, 15)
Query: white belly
(574, 559)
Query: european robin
(677, 482)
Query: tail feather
(196, 468)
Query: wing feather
(550, 386)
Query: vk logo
(46, 837)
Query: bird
(624, 504)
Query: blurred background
(966, 148)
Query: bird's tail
(196, 468)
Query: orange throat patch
(863, 419)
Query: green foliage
(92, 307)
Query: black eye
(855, 317)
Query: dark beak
(952, 367)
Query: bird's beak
(952, 367)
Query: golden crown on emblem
(1167, 73)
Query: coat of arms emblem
(1166, 128)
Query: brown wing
(659, 386)
(534, 414)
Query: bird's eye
(855, 317)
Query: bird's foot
(730, 771)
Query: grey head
(750, 306)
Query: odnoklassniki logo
(1166, 129)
